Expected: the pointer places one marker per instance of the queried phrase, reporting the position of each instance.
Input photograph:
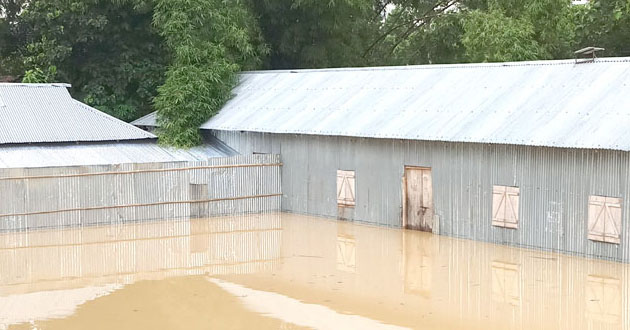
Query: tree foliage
(450, 31)
(493, 37)
(419, 32)
(11, 36)
(120, 54)
(604, 23)
(211, 40)
(107, 49)
(511, 30)
(315, 33)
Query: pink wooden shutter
(498, 206)
(345, 188)
(612, 227)
(604, 219)
(511, 207)
(596, 217)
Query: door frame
(404, 189)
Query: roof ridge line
(444, 66)
(8, 84)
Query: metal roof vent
(586, 55)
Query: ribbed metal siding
(80, 192)
(554, 183)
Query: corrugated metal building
(63, 163)
(534, 154)
(41, 125)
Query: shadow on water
(290, 271)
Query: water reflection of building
(603, 300)
(409, 278)
(402, 278)
(63, 268)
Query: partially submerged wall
(89, 195)
(555, 185)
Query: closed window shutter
(345, 188)
(505, 201)
(604, 219)
(596, 218)
(498, 206)
(511, 207)
(612, 228)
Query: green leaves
(493, 37)
(316, 33)
(38, 75)
(211, 40)
(116, 53)
(605, 24)
(107, 49)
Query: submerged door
(418, 199)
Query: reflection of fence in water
(235, 244)
(87, 195)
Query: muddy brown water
(283, 271)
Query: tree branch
(446, 4)
(421, 21)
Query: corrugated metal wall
(87, 195)
(554, 185)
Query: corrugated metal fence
(105, 194)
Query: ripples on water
(284, 271)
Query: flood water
(283, 271)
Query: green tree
(11, 36)
(316, 33)
(511, 30)
(493, 37)
(604, 24)
(452, 31)
(419, 32)
(107, 49)
(37, 75)
(211, 40)
(116, 53)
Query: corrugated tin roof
(34, 113)
(147, 120)
(51, 155)
(541, 103)
(547, 103)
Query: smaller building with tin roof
(41, 125)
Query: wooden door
(418, 199)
